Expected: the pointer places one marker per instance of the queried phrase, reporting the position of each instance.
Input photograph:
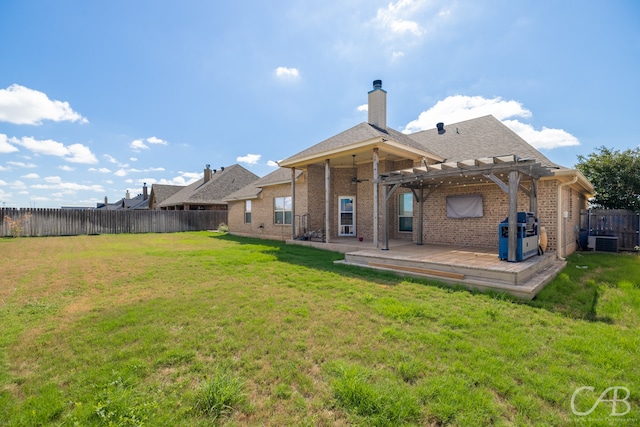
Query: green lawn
(192, 329)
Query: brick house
(449, 185)
(205, 194)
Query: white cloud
(23, 106)
(154, 140)
(74, 153)
(133, 159)
(458, 108)
(363, 107)
(39, 199)
(57, 184)
(80, 154)
(137, 145)
(53, 179)
(272, 164)
(545, 138)
(22, 164)
(101, 170)
(192, 176)
(66, 168)
(120, 172)
(397, 17)
(110, 159)
(18, 185)
(250, 159)
(31, 176)
(287, 73)
(397, 55)
(185, 178)
(5, 147)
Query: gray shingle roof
(162, 192)
(212, 192)
(477, 138)
(251, 191)
(358, 133)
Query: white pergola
(425, 179)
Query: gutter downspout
(559, 236)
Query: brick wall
(262, 212)
(437, 228)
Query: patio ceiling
(472, 171)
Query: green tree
(615, 176)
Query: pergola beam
(417, 178)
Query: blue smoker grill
(527, 237)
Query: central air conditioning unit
(603, 243)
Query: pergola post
(385, 214)
(385, 226)
(533, 197)
(514, 183)
(420, 204)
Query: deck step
(524, 279)
(426, 271)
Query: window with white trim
(405, 212)
(247, 211)
(282, 210)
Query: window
(346, 216)
(405, 212)
(247, 211)
(282, 210)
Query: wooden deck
(473, 267)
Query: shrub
(16, 226)
(224, 228)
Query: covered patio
(426, 179)
(474, 267)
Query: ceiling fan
(354, 179)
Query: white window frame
(401, 198)
(286, 202)
(247, 211)
(347, 229)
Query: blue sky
(98, 97)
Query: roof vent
(440, 127)
(377, 84)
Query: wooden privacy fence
(623, 224)
(72, 222)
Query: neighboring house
(450, 185)
(141, 201)
(161, 192)
(209, 192)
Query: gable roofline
(213, 191)
(252, 191)
(363, 135)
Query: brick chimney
(207, 173)
(145, 195)
(378, 105)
